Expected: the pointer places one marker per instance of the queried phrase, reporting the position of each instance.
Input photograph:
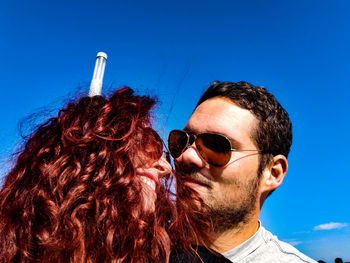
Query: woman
(86, 187)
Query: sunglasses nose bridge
(191, 155)
(191, 139)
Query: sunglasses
(162, 148)
(214, 148)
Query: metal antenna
(97, 78)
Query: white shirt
(264, 247)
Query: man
(233, 152)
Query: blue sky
(298, 50)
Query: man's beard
(226, 215)
(222, 214)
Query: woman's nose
(162, 167)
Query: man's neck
(227, 240)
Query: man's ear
(274, 173)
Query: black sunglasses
(214, 148)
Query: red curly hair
(73, 195)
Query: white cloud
(331, 225)
(301, 232)
(295, 243)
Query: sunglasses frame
(190, 135)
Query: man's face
(231, 191)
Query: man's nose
(191, 157)
(162, 167)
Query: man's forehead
(222, 116)
(207, 122)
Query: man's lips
(195, 180)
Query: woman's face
(151, 167)
(150, 178)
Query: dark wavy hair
(73, 195)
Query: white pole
(97, 77)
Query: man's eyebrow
(234, 143)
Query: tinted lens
(214, 148)
(177, 142)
